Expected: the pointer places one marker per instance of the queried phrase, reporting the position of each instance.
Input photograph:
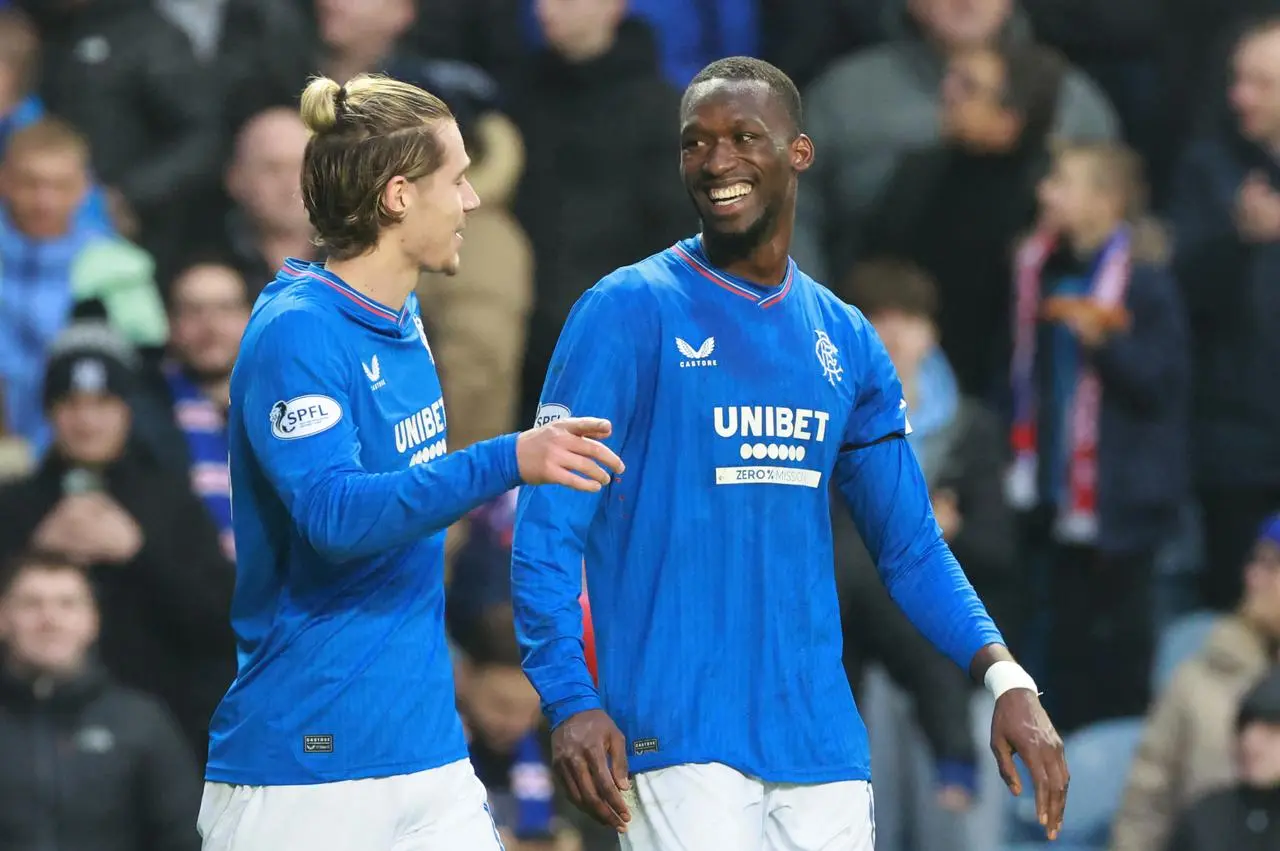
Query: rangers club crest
(828, 358)
(422, 335)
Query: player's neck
(384, 276)
(764, 264)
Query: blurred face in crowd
(579, 29)
(265, 174)
(44, 188)
(1259, 755)
(957, 24)
(502, 706)
(363, 26)
(209, 310)
(1261, 604)
(740, 157)
(973, 112)
(435, 207)
(90, 428)
(1255, 91)
(48, 619)
(1072, 198)
(908, 338)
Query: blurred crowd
(1062, 216)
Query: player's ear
(396, 196)
(802, 153)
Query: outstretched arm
(881, 481)
(297, 414)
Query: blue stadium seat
(1052, 846)
(1099, 758)
(1180, 641)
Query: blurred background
(1063, 216)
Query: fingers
(614, 809)
(592, 427)
(603, 455)
(583, 766)
(1004, 762)
(1040, 780)
(617, 751)
(1058, 778)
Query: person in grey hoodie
(872, 107)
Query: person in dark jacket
(955, 209)
(1245, 817)
(88, 765)
(130, 81)
(962, 451)
(597, 193)
(148, 542)
(1100, 385)
(1226, 218)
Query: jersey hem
(223, 774)
(826, 774)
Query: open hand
(1021, 726)
(568, 452)
(589, 754)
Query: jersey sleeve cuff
(566, 709)
(504, 449)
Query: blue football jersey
(709, 563)
(341, 494)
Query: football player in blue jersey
(340, 731)
(739, 388)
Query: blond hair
(1119, 170)
(48, 135)
(363, 134)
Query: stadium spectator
(263, 51)
(208, 312)
(955, 208)
(127, 78)
(947, 800)
(52, 264)
(265, 221)
(597, 191)
(1186, 750)
(1101, 384)
(502, 714)
(99, 500)
(20, 106)
(687, 37)
(804, 39)
(89, 765)
(873, 107)
(1247, 815)
(1226, 215)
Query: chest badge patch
(828, 358)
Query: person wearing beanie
(1189, 742)
(99, 500)
(1245, 816)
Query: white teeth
(728, 194)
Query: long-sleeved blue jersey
(709, 562)
(341, 492)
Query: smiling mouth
(724, 196)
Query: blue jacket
(1232, 292)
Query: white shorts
(443, 809)
(711, 806)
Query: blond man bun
(319, 107)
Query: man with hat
(99, 500)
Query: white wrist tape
(1006, 675)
